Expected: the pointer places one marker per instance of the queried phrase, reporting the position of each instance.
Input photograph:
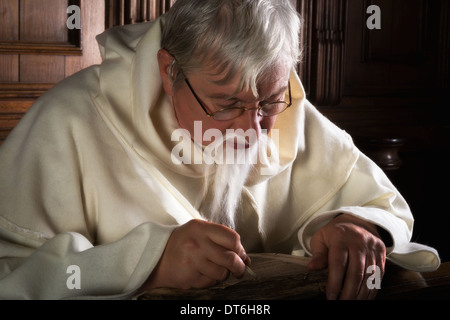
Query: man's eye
(230, 105)
(275, 99)
(271, 101)
(265, 103)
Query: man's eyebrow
(282, 89)
(228, 97)
(223, 96)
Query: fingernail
(245, 257)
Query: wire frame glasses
(268, 109)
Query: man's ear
(165, 60)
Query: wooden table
(399, 283)
(285, 277)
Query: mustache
(238, 148)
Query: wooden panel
(11, 112)
(38, 27)
(43, 20)
(43, 69)
(9, 68)
(7, 123)
(10, 91)
(43, 52)
(15, 100)
(398, 59)
(342, 57)
(398, 18)
(9, 18)
(23, 47)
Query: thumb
(319, 252)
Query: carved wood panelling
(323, 40)
(398, 19)
(15, 100)
(121, 12)
(23, 31)
(402, 57)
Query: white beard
(225, 180)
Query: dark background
(389, 88)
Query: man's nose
(249, 120)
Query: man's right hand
(198, 254)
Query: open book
(276, 276)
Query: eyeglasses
(268, 109)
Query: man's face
(215, 97)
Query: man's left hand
(348, 246)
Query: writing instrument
(250, 271)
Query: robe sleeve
(49, 246)
(70, 266)
(369, 195)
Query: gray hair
(231, 36)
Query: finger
(231, 241)
(224, 258)
(227, 238)
(194, 279)
(213, 271)
(247, 261)
(203, 282)
(366, 289)
(319, 260)
(337, 266)
(380, 269)
(319, 251)
(372, 294)
(232, 262)
(374, 274)
(235, 264)
(371, 284)
(354, 277)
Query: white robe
(87, 180)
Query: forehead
(215, 87)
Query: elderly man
(191, 145)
